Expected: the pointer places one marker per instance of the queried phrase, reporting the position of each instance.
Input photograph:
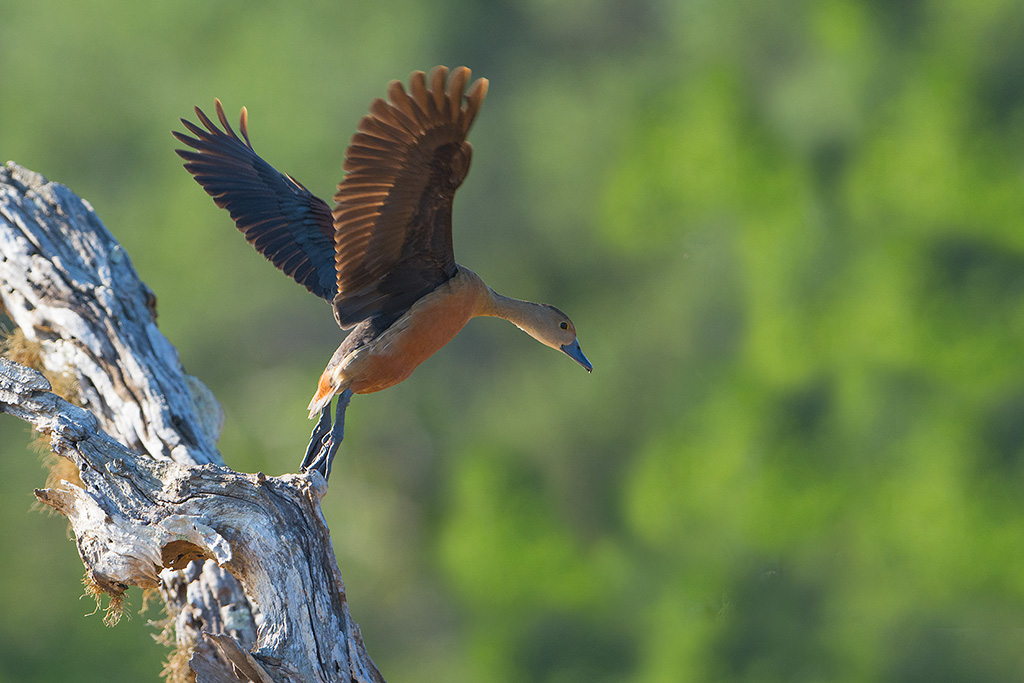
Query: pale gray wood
(268, 602)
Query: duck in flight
(383, 258)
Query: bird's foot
(316, 439)
(325, 440)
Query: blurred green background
(789, 235)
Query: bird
(383, 256)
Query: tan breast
(432, 322)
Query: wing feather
(278, 216)
(392, 216)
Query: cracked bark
(243, 562)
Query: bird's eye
(564, 325)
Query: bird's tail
(325, 391)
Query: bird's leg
(338, 432)
(324, 456)
(320, 431)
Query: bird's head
(553, 328)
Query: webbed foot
(325, 440)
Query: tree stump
(243, 562)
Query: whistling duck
(384, 256)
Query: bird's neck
(523, 314)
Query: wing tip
(437, 97)
(212, 129)
(474, 100)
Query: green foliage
(788, 234)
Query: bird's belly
(432, 322)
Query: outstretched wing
(393, 217)
(277, 215)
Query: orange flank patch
(325, 387)
(324, 393)
(391, 357)
(430, 324)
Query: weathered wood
(244, 562)
(66, 282)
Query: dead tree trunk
(244, 562)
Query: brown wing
(393, 217)
(277, 215)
